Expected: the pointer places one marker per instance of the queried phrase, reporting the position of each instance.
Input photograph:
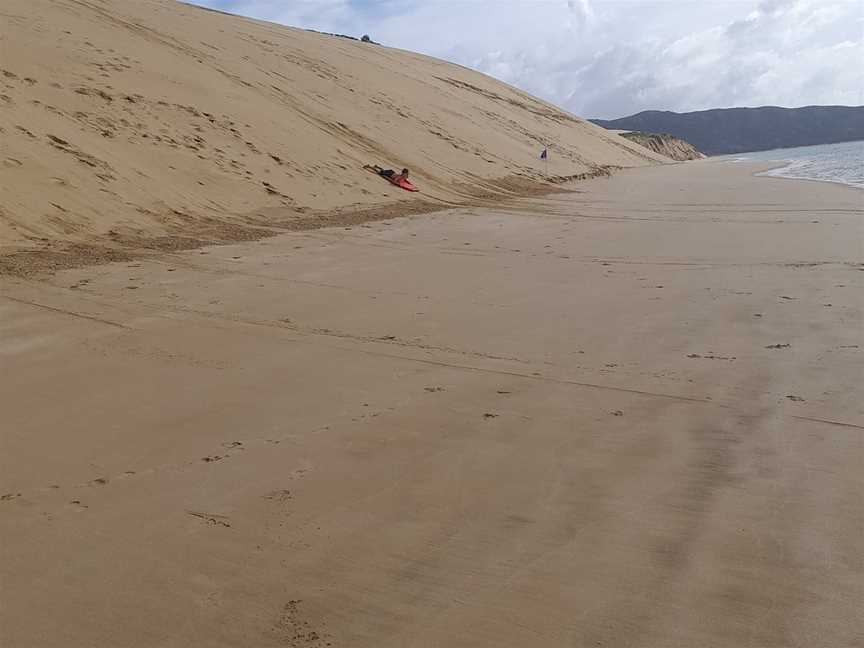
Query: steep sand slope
(139, 119)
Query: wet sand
(626, 416)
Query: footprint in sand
(298, 631)
(211, 518)
(279, 495)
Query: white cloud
(608, 58)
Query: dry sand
(156, 124)
(630, 415)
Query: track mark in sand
(712, 264)
(395, 341)
(8, 497)
(828, 422)
(386, 339)
(211, 518)
(710, 356)
(67, 312)
(778, 346)
(538, 376)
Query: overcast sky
(611, 58)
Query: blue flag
(544, 155)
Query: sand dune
(126, 121)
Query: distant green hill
(738, 130)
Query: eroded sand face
(626, 416)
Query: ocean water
(843, 163)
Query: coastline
(499, 414)
(794, 158)
(774, 165)
(824, 180)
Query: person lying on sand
(390, 174)
(399, 179)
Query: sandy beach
(626, 415)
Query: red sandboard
(407, 185)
